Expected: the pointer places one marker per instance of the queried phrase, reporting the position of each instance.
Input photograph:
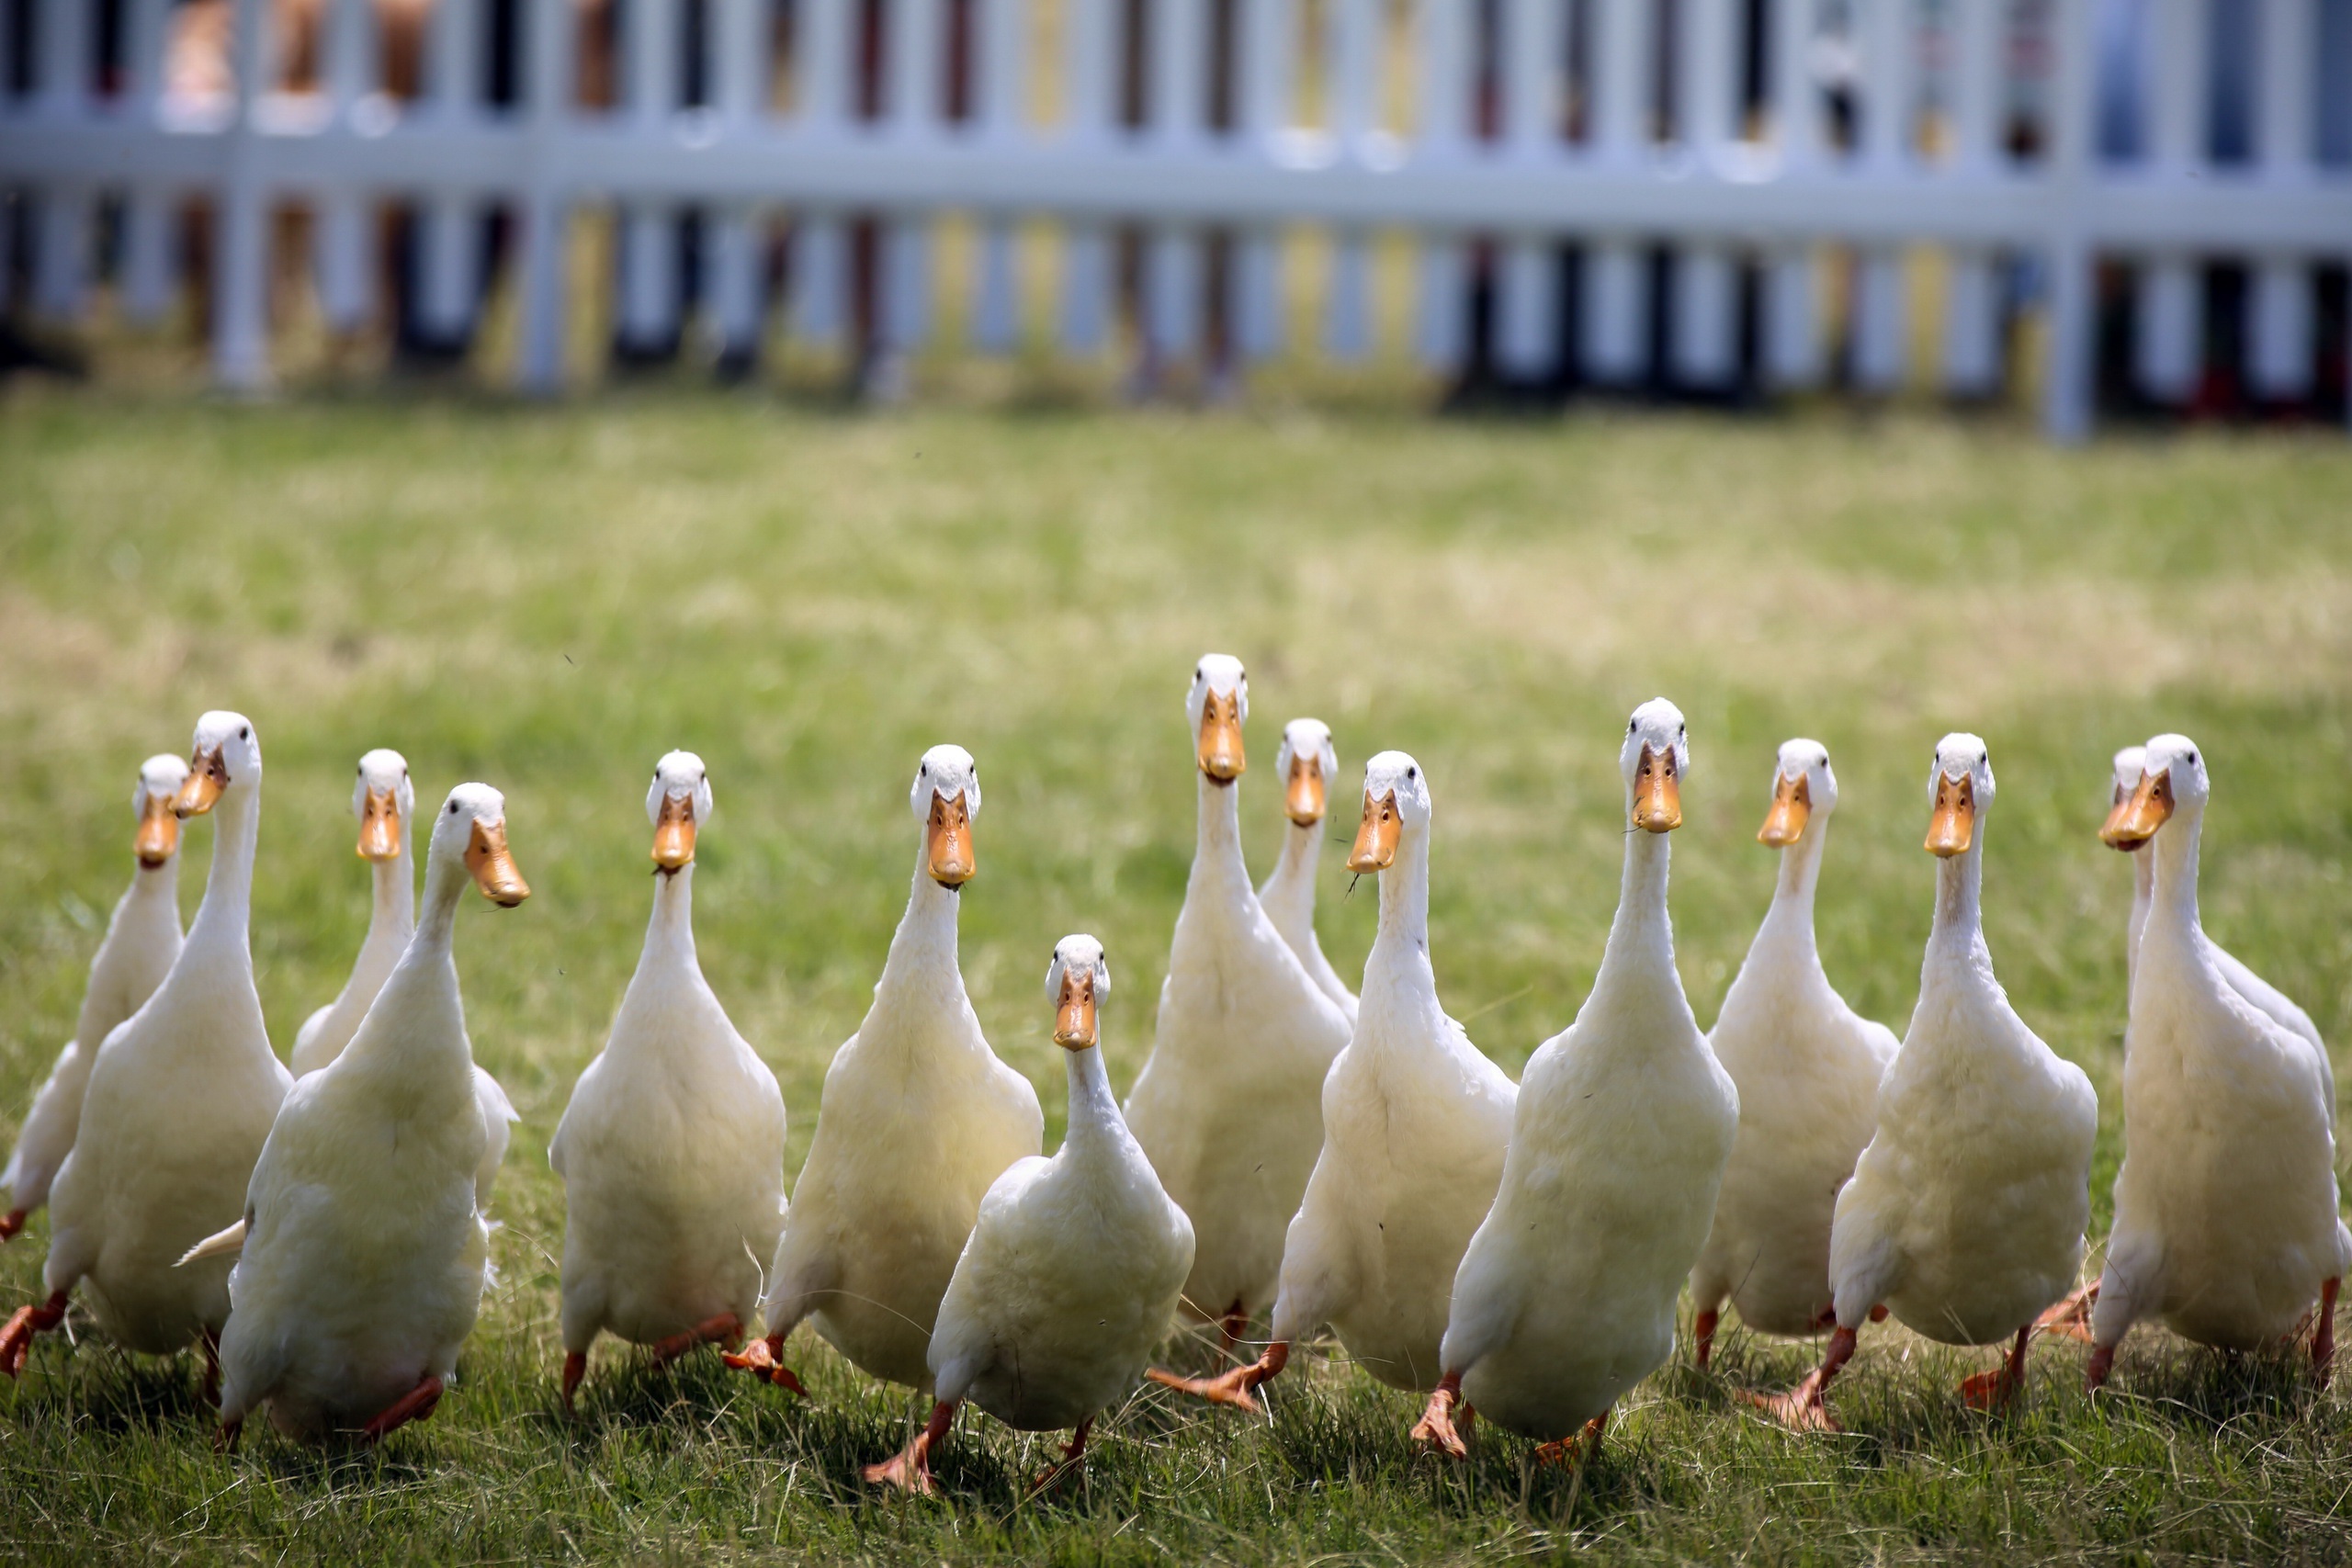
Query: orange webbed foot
(764, 1358)
(1995, 1389)
(1073, 1460)
(1567, 1450)
(724, 1329)
(17, 1338)
(415, 1405)
(1234, 1388)
(908, 1470)
(1804, 1408)
(1436, 1427)
(2071, 1318)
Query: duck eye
(245, 732)
(453, 808)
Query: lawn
(548, 599)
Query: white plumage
(142, 941)
(365, 1250)
(671, 1149)
(1307, 764)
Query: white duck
(143, 939)
(2226, 1225)
(672, 1150)
(385, 802)
(1308, 764)
(1565, 1297)
(365, 1251)
(1229, 1104)
(1071, 1273)
(1807, 1068)
(1965, 1216)
(180, 1099)
(1415, 1124)
(917, 1119)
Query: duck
(1965, 1215)
(385, 802)
(917, 1119)
(1072, 1272)
(179, 1102)
(1229, 1103)
(1566, 1295)
(364, 1252)
(143, 939)
(1307, 762)
(1808, 1066)
(1416, 1120)
(671, 1149)
(2226, 1221)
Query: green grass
(549, 599)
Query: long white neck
(1289, 892)
(923, 951)
(1097, 1131)
(2143, 897)
(1640, 955)
(223, 920)
(2172, 897)
(1958, 929)
(391, 915)
(1788, 924)
(1217, 866)
(153, 885)
(413, 1038)
(1400, 944)
(670, 932)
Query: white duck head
(2172, 781)
(2130, 763)
(160, 778)
(469, 841)
(385, 802)
(1396, 802)
(224, 761)
(1803, 789)
(1654, 758)
(947, 798)
(677, 805)
(1308, 764)
(1219, 705)
(1960, 788)
(1075, 982)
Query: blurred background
(2078, 208)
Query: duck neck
(1789, 923)
(924, 944)
(670, 932)
(1640, 939)
(1959, 927)
(392, 916)
(423, 990)
(1095, 1124)
(223, 920)
(151, 885)
(1402, 937)
(1216, 850)
(2172, 896)
(1289, 894)
(2143, 897)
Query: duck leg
(1073, 1459)
(17, 1338)
(724, 1329)
(1994, 1390)
(764, 1358)
(415, 1405)
(1702, 1330)
(575, 1367)
(1805, 1408)
(2324, 1336)
(1231, 1326)
(12, 1225)
(211, 1338)
(908, 1470)
(1234, 1387)
(1584, 1445)
(1436, 1427)
(2071, 1317)
(224, 1441)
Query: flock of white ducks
(1355, 1164)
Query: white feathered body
(1071, 1277)
(672, 1155)
(141, 941)
(918, 1118)
(1229, 1106)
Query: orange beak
(2136, 818)
(1376, 847)
(949, 840)
(1657, 796)
(673, 832)
(208, 775)
(159, 831)
(493, 867)
(1220, 750)
(1952, 827)
(1791, 808)
(379, 826)
(1304, 799)
(1074, 1014)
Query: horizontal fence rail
(1707, 164)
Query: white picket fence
(1719, 183)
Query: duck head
(1396, 797)
(226, 756)
(1654, 757)
(1803, 789)
(471, 832)
(1219, 705)
(2130, 763)
(160, 778)
(2172, 777)
(947, 798)
(1308, 764)
(1960, 788)
(677, 806)
(384, 801)
(1075, 982)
